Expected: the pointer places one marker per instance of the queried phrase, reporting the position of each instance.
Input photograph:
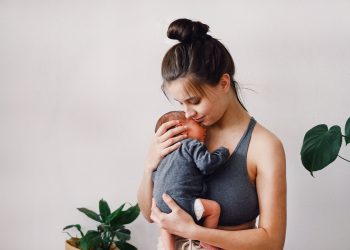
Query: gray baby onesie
(181, 174)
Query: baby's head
(194, 129)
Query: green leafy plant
(321, 146)
(110, 232)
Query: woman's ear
(225, 82)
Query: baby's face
(194, 130)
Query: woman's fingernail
(165, 196)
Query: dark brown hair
(172, 115)
(198, 56)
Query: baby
(181, 175)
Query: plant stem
(82, 234)
(343, 158)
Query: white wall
(79, 96)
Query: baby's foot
(207, 246)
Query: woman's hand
(178, 222)
(164, 141)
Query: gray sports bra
(231, 188)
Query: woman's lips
(200, 119)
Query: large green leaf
(115, 214)
(77, 226)
(347, 131)
(90, 214)
(104, 210)
(92, 239)
(127, 216)
(125, 245)
(320, 147)
(123, 234)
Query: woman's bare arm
(271, 186)
(144, 195)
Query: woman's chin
(205, 124)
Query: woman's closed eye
(195, 101)
(192, 101)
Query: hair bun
(187, 31)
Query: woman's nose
(189, 112)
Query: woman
(199, 72)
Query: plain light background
(80, 94)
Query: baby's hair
(172, 115)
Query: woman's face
(204, 109)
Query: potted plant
(321, 146)
(111, 233)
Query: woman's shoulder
(265, 145)
(262, 137)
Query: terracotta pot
(71, 243)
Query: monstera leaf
(347, 132)
(320, 147)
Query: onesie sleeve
(207, 162)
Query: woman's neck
(234, 117)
